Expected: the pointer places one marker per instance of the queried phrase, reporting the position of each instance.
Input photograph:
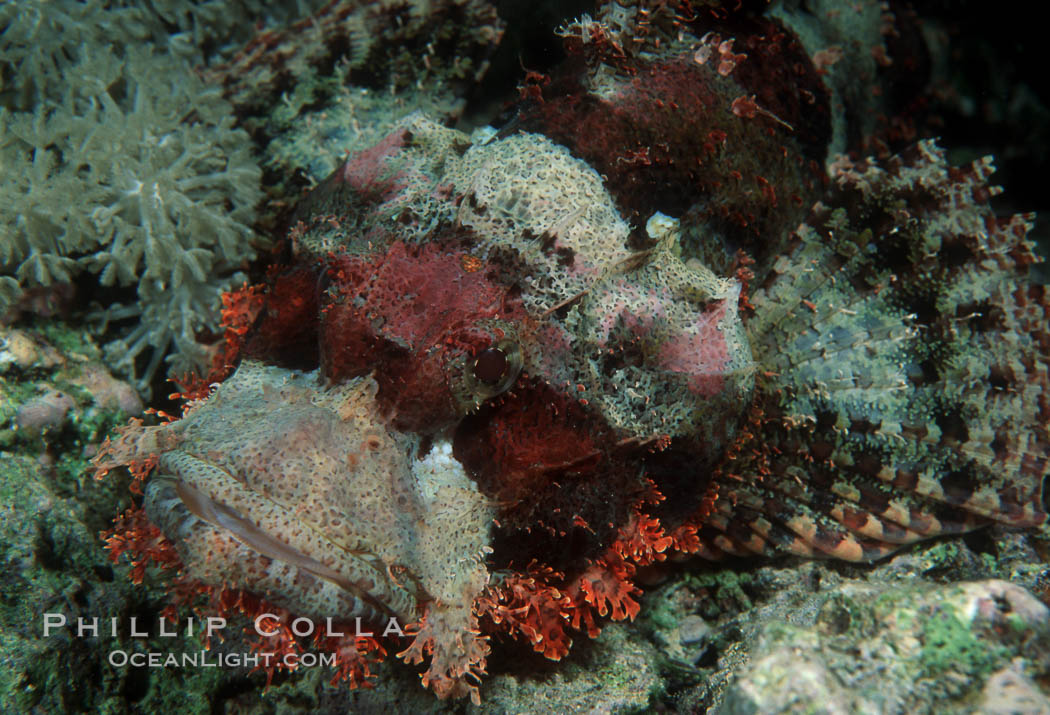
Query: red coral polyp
(609, 589)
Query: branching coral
(39, 42)
(139, 176)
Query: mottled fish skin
(635, 347)
(890, 366)
(904, 355)
(300, 494)
(495, 379)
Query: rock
(47, 410)
(22, 349)
(107, 391)
(1011, 692)
(907, 649)
(617, 673)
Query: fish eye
(491, 365)
(475, 378)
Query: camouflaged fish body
(903, 360)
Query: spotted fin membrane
(902, 387)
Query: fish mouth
(228, 520)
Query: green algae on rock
(913, 649)
(51, 513)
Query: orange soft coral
(355, 656)
(530, 605)
(606, 585)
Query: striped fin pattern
(903, 357)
